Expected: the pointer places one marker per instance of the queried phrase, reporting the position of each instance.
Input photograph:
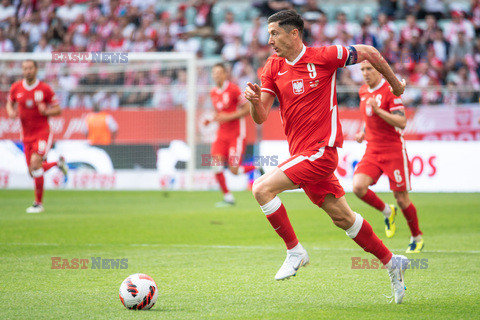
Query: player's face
(29, 71)
(219, 75)
(280, 40)
(370, 74)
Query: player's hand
(252, 93)
(373, 103)
(360, 136)
(42, 108)
(399, 90)
(12, 113)
(221, 117)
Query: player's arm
(361, 52)
(54, 110)
(396, 118)
(11, 110)
(360, 136)
(260, 102)
(241, 112)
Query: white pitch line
(42, 244)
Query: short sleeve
(50, 97)
(335, 56)
(396, 103)
(267, 79)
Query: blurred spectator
(416, 48)
(166, 44)
(365, 37)
(25, 11)
(179, 86)
(117, 42)
(34, 28)
(43, 46)
(203, 18)
(429, 32)
(434, 7)
(459, 23)
(46, 9)
(55, 31)
(450, 96)
(385, 28)
(388, 7)
(141, 43)
(68, 12)
(229, 30)
(106, 100)
(459, 51)
(93, 12)
(475, 9)
(186, 43)
(243, 72)
(343, 25)
(269, 7)
(343, 39)
(410, 29)
(6, 45)
(95, 44)
(233, 51)
(79, 30)
(100, 128)
(80, 100)
(7, 11)
(440, 45)
(414, 8)
(311, 10)
(104, 27)
(22, 43)
(256, 33)
(476, 56)
(465, 80)
(142, 5)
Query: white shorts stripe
(333, 109)
(405, 165)
(299, 159)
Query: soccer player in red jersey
(303, 79)
(36, 101)
(384, 117)
(230, 111)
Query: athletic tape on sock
(355, 228)
(217, 169)
(271, 206)
(37, 173)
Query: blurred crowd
(434, 46)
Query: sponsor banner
(437, 166)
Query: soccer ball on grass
(138, 292)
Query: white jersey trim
(298, 57)
(377, 87)
(269, 91)
(299, 159)
(30, 88)
(333, 110)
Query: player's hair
(288, 20)
(30, 60)
(221, 65)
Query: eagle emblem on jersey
(298, 86)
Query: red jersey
(307, 94)
(381, 136)
(227, 99)
(28, 98)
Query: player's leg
(235, 155)
(362, 233)
(367, 173)
(219, 156)
(410, 212)
(265, 190)
(36, 171)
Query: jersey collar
(224, 86)
(377, 87)
(298, 57)
(30, 88)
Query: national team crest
(297, 86)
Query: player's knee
(359, 189)
(402, 198)
(234, 170)
(342, 222)
(260, 190)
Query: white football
(138, 292)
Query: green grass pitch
(219, 263)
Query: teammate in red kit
(384, 117)
(230, 111)
(303, 79)
(36, 101)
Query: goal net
(148, 102)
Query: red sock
(372, 199)
(369, 241)
(248, 168)
(280, 222)
(410, 214)
(48, 165)
(38, 189)
(221, 181)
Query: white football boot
(296, 258)
(35, 208)
(63, 167)
(397, 273)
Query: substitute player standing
(303, 79)
(36, 101)
(230, 111)
(384, 117)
